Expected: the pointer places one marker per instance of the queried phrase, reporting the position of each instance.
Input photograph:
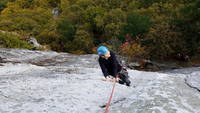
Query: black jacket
(110, 66)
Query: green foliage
(148, 3)
(93, 15)
(24, 21)
(159, 12)
(24, 3)
(114, 20)
(133, 51)
(66, 30)
(164, 42)
(190, 14)
(54, 3)
(64, 4)
(85, 3)
(165, 27)
(136, 25)
(2, 5)
(8, 40)
(49, 38)
(83, 40)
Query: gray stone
(33, 41)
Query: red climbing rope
(110, 99)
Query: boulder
(149, 65)
(55, 12)
(34, 42)
(182, 57)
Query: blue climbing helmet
(102, 50)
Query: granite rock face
(51, 82)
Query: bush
(133, 49)
(164, 42)
(2, 5)
(136, 25)
(83, 41)
(188, 24)
(24, 21)
(8, 40)
(49, 38)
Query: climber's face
(106, 56)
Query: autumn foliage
(165, 28)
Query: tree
(2, 5)
(24, 3)
(114, 20)
(93, 15)
(83, 40)
(9, 40)
(64, 4)
(147, 3)
(164, 42)
(136, 25)
(189, 24)
(66, 31)
(24, 21)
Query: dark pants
(124, 78)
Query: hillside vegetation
(136, 28)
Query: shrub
(133, 49)
(8, 40)
(83, 41)
(2, 5)
(164, 42)
(136, 25)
